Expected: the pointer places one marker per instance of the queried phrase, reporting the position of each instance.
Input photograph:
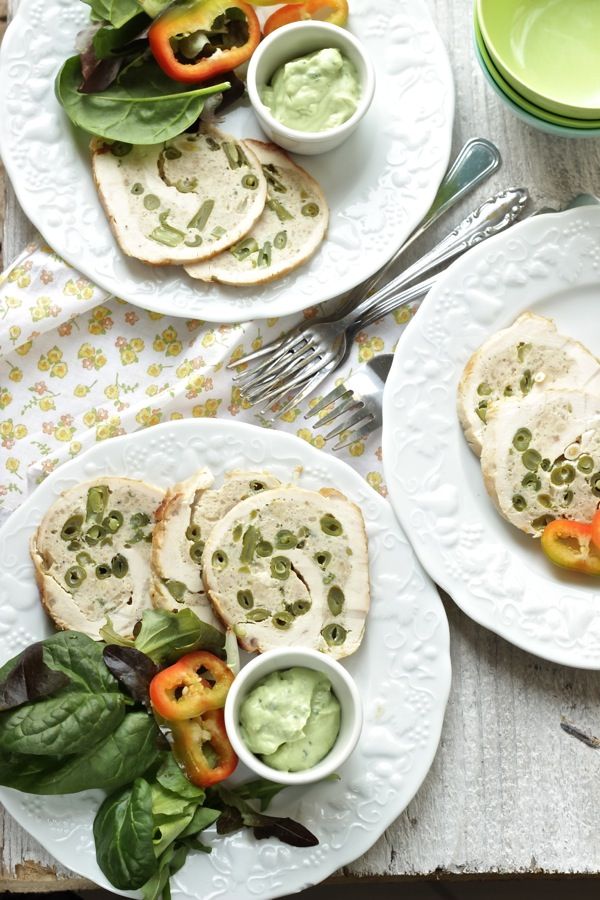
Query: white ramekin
(288, 43)
(344, 689)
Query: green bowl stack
(542, 58)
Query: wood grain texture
(508, 792)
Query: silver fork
(305, 359)
(359, 400)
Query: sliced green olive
(84, 559)
(94, 535)
(327, 579)
(564, 474)
(238, 531)
(531, 460)
(279, 209)
(196, 551)
(74, 545)
(545, 500)
(301, 607)
(585, 464)
(103, 571)
(482, 413)
(175, 588)
(220, 560)
(546, 465)
(95, 507)
(508, 391)
(218, 232)
(151, 202)
(138, 536)
(202, 216)
(212, 144)
(192, 533)
(542, 521)
(120, 148)
(186, 185)
(280, 239)
(138, 520)
(258, 615)
(484, 389)
(119, 566)
(137, 188)
(113, 521)
(282, 620)
(531, 480)
(193, 242)
(310, 209)
(250, 181)
(522, 439)
(335, 600)
(280, 567)
(264, 548)
(567, 498)
(334, 634)
(71, 528)
(519, 502)
(285, 540)
(172, 153)
(264, 255)
(249, 542)
(526, 382)
(330, 525)
(595, 484)
(245, 599)
(75, 576)
(257, 486)
(244, 248)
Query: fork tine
(304, 375)
(273, 365)
(255, 392)
(331, 397)
(350, 403)
(308, 388)
(367, 429)
(353, 420)
(250, 357)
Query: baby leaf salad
(146, 67)
(141, 719)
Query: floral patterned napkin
(79, 366)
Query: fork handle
(490, 218)
(414, 292)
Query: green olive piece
(508, 391)
(335, 600)
(567, 498)
(220, 560)
(546, 465)
(249, 542)
(119, 566)
(279, 209)
(245, 599)
(585, 464)
(250, 182)
(257, 486)
(151, 202)
(196, 551)
(545, 500)
(264, 548)
(175, 588)
(334, 634)
(280, 567)
(193, 242)
(244, 248)
(327, 579)
(74, 545)
(120, 148)
(280, 240)
(186, 185)
(322, 558)
(522, 439)
(484, 389)
(531, 480)
(212, 144)
(103, 571)
(264, 254)
(113, 521)
(137, 188)
(172, 153)
(482, 413)
(310, 209)
(564, 474)
(531, 460)
(519, 502)
(595, 484)
(238, 531)
(540, 523)
(285, 540)
(282, 620)
(71, 528)
(94, 535)
(526, 382)
(301, 607)
(258, 615)
(95, 507)
(84, 559)
(192, 533)
(138, 520)
(75, 576)
(330, 525)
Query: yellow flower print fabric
(79, 366)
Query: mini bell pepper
(334, 11)
(197, 40)
(569, 544)
(191, 740)
(195, 684)
(596, 529)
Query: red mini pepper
(190, 739)
(334, 11)
(225, 33)
(570, 545)
(195, 684)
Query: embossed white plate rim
(452, 284)
(406, 190)
(181, 446)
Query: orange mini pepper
(190, 740)
(334, 11)
(570, 545)
(195, 684)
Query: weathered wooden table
(509, 792)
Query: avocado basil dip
(291, 719)
(314, 93)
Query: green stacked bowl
(541, 58)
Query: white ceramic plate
(550, 265)
(402, 668)
(379, 184)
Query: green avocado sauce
(291, 719)
(315, 92)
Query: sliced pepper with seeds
(196, 684)
(570, 545)
(334, 11)
(202, 747)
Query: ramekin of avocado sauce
(291, 719)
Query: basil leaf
(166, 635)
(143, 106)
(123, 834)
(29, 679)
(117, 12)
(133, 670)
(68, 723)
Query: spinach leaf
(143, 106)
(203, 818)
(132, 669)
(79, 658)
(29, 679)
(169, 862)
(117, 12)
(67, 723)
(123, 834)
(165, 635)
